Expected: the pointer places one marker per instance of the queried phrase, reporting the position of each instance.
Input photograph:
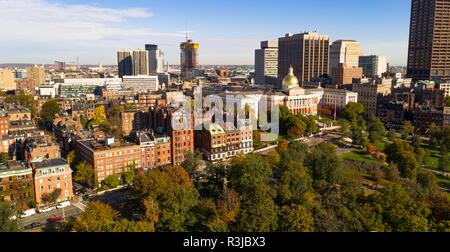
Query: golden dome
(290, 80)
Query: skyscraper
(344, 51)
(189, 59)
(308, 53)
(429, 40)
(37, 74)
(156, 59)
(373, 65)
(266, 63)
(125, 62)
(140, 62)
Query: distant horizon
(62, 30)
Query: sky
(42, 31)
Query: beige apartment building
(266, 63)
(140, 62)
(37, 74)
(346, 52)
(7, 80)
(371, 93)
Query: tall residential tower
(156, 59)
(140, 62)
(125, 62)
(429, 40)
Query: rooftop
(51, 163)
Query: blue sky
(41, 31)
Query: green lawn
(359, 155)
(380, 146)
(432, 162)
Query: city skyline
(229, 35)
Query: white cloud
(44, 24)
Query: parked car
(46, 209)
(55, 219)
(33, 225)
(28, 213)
(63, 204)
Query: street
(43, 218)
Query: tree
(407, 129)
(84, 173)
(447, 101)
(112, 181)
(294, 183)
(376, 130)
(99, 116)
(4, 157)
(345, 128)
(7, 224)
(416, 142)
(192, 162)
(83, 121)
(324, 164)
(353, 112)
(433, 144)
(295, 218)
(51, 197)
(444, 164)
(399, 211)
(359, 137)
(49, 110)
(174, 193)
(283, 146)
(208, 218)
(99, 217)
(391, 135)
(258, 210)
(370, 149)
(428, 183)
(247, 172)
(215, 177)
(402, 154)
(228, 205)
(129, 176)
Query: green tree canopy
(49, 110)
(295, 218)
(324, 164)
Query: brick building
(393, 114)
(109, 157)
(160, 119)
(343, 75)
(50, 175)
(26, 85)
(217, 143)
(16, 183)
(40, 148)
(130, 121)
(155, 149)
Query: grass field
(380, 146)
(359, 155)
(432, 162)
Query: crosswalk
(80, 205)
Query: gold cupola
(290, 81)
